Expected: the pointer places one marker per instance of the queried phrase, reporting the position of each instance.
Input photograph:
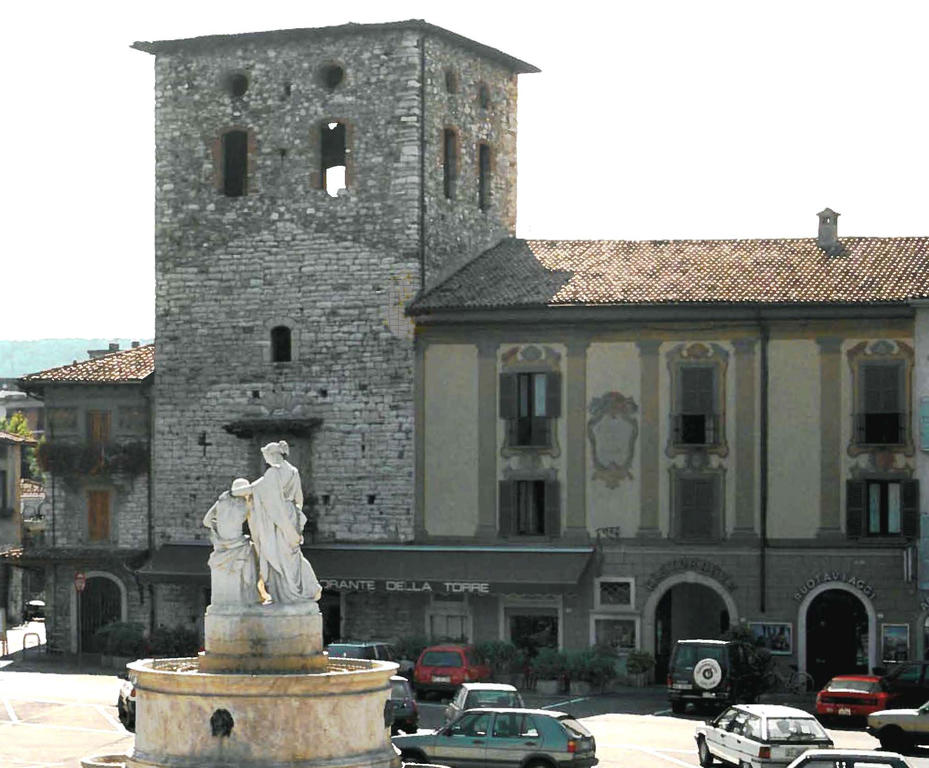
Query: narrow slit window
(451, 162)
(483, 179)
(235, 163)
(483, 96)
(333, 152)
(280, 344)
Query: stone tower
(308, 183)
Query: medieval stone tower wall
(335, 271)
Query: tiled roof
(10, 438)
(534, 273)
(124, 367)
(31, 488)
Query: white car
(474, 695)
(899, 729)
(848, 758)
(759, 736)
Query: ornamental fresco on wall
(612, 430)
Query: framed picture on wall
(776, 636)
(895, 642)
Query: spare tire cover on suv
(707, 673)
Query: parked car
(504, 738)
(759, 735)
(442, 668)
(845, 758)
(474, 695)
(368, 650)
(900, 729)
(34, 610)
(404, 712)
(125, 705)
(710, 673)
(907, 682)
(852, 696)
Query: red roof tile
(123, 367)
(534, 273)
(10, 438)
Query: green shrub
(549, 664)
(638, 662)
(501, 656)
(174, 642)
(592, 666)
(121, 638)
(410, 647)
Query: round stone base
(220, 662)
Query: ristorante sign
(389, 585)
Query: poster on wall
(895, 642)
(776, 636)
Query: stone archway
(123, 601)
(664, 587)
(803, 628)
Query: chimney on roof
(135, 344)
(828, 236)
(93, 354)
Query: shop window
(98, 515)
(280, 344)
(695, 421)
(618, 633)
(529, 402)
(530, 507)
(333, 151)
(483, 177)
(876, 507)
(235, 163)
(531, 627)
(881, 419)
(614, 593)
(450, 162)
(448, 618)
(697, 513)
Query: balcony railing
(695, 428)
(70, 459)
(881, 428)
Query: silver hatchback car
(504, 738)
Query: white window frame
(450, 608)
(613, 617)
(598, 606)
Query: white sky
(650, 119)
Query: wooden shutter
(552, 509)
(98, 515)
(553, 395)
(697, 388)
(509, 400)
(98, 427)
(507, 507)
(856, 505)
(909, 508)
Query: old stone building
(308, 183)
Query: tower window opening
(450, 162)
(235, 163)
(451, 81)
(331, 76)
(280, 344)
(237, 85)
(483, 178)
(332, 153)
(483, 96)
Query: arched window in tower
(332, 153)
(280, 344)
(483, 96)
(235, 163)
(450, 162)
(483, 177)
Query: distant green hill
(17, 358)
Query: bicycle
(793, 682)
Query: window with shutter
(855, 495)
(695, 420)
(529, 401)
(696, 511)
(98, 427)
(888, 507)
(98, 515)
(507, 490)
(881, 420)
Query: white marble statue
(233, 563)
(276, 523)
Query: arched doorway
(102, 602)
(837, 635)
(685, 606)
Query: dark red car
(852, 696)
(442, 668)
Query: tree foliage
(16, 424)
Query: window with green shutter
(529, 402)
(530, 507)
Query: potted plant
(639, 666)
(505, 660)
(550, 668)
(579, 672)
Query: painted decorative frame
(895, 642)
(775, 636)
(612, 431)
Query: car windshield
(493, 699)
(343, 650)
(577, 730)
(688, 655)
(852, 686)
(805, 729)
(399, 689)
(440, 659)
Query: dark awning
(405, 568)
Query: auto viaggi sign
(829, 576)
(399, 585)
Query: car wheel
(678, 707)
(893, 739)
(411, 728)
(538, 764)
(413, 756)
(703, 751)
